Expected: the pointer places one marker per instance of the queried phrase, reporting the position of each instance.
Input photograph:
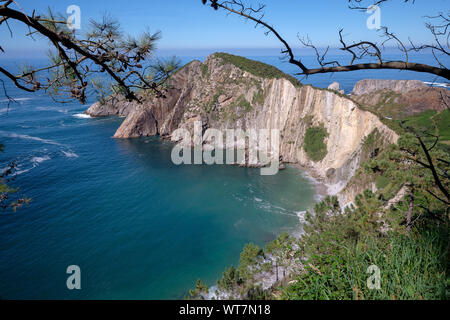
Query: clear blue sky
(190, 25)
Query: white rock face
(335, 86)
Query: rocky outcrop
(372, 85)
(227, 95)
(335, 86)
(399, 98)
(111, 107)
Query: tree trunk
(276, 269)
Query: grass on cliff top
(256, 68)
(428, 121)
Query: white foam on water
(37, 160)
(19, 172)
(15, 99)
(302, 216)
(55, 109)
(70, 154)
(438, 84)
(82, 116)
(27, 137)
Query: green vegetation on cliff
(349, 248)
(314, 143)
(256, 68)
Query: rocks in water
(373, 85)
(336, 87)
(114, 106)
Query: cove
(138, 226)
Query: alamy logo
(374, 281)
(262, 149)
(374, 21)
(74, 19)
(74, 280)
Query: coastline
(321, 188)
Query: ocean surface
(138, 226)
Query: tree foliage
(102, 60)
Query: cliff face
(399, 98)
(400, 86)
(225, 93)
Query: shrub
(205, 71)
(382, 182)
(258, 97)
(314, 144)
(410, 268)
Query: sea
(136, 225)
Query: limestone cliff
(228, 92)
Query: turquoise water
(138, 226)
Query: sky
(189, 28)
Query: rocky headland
(230, 92)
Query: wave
(15, 99)
(55, 109)
(438, 84)
(27, 137)
(302, 216)
(19, 172)
(82, 116)
(35, 162)
(38, 160)
(70, 154)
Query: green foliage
(259, 97)
(209, 107)
(198, 292)
(230, 278)
(237, 109)
(242, 102)
(256, 68)
(8, 194)
(314, 146)
(410, 268)
(205, 70)
(429, 121)
(371, 144)
(341, 246)
(256, 293)
(247, 260)
(443, 124)
(382, 182)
